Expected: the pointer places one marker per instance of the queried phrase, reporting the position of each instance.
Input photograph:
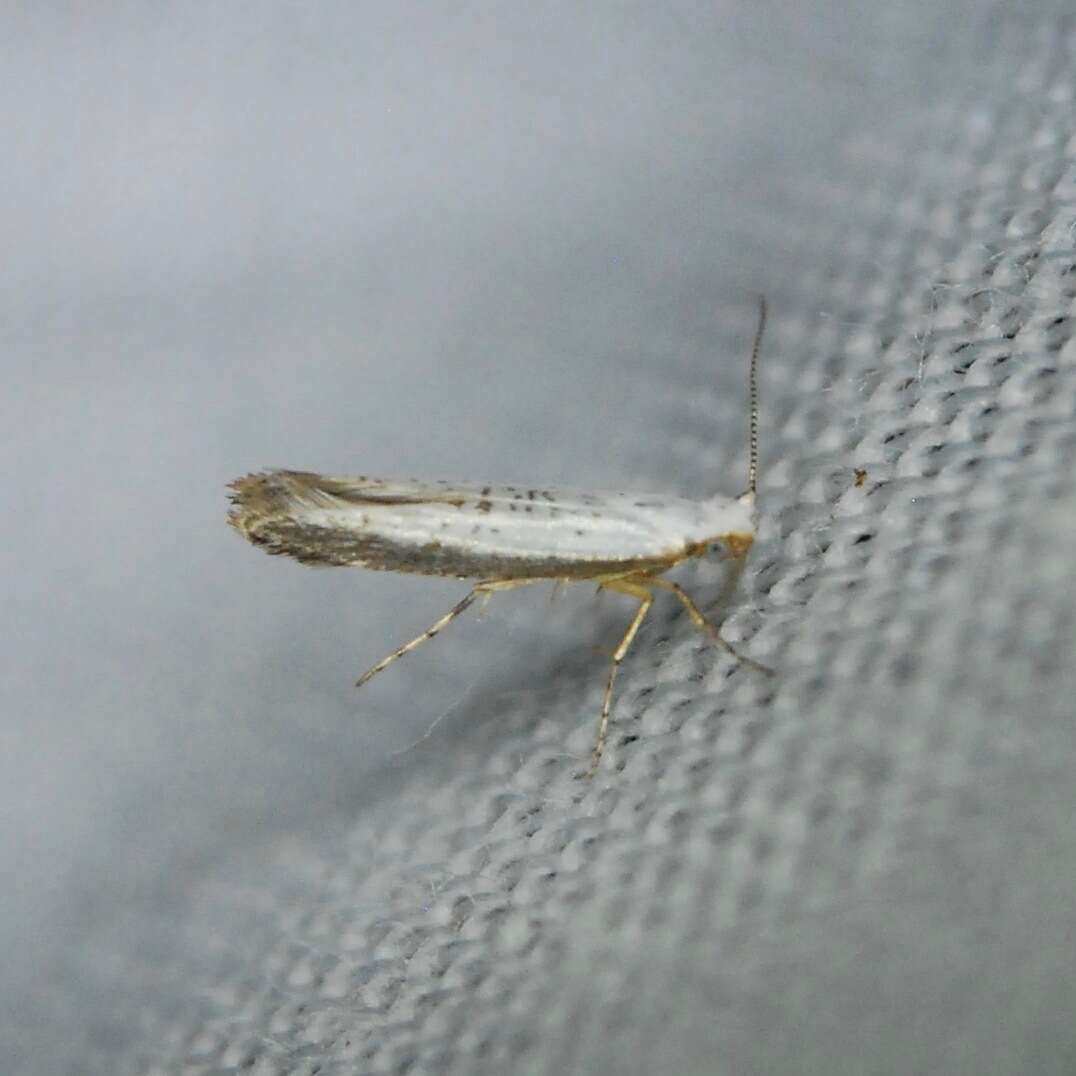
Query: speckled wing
(475, 531)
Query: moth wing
(446, 528)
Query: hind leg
(483, 589)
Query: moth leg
(484, 589)
(701, 622)
(645, 599)
(429, 633)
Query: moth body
(474, 531)
(505, 536)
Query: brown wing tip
(250, 498)
(254, 497)
(269, 496)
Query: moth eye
(716, 549)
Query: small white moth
(505, 536)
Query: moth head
(729, 546)
(737, 533)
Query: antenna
(752, 469)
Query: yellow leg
(701, 622)
(646, 599)
(485, 589)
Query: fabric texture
(866, 864)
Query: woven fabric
(865, 864)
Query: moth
(503, 537)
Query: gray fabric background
(492, 241)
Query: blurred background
(512, 242)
